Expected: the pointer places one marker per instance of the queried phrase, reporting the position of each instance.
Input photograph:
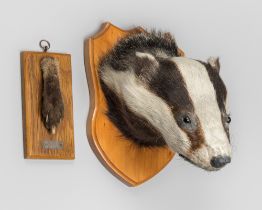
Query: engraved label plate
(52, 144)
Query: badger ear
(147, 66)
(146, 56)
(214, 63)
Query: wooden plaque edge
(93, 96)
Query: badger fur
(52, 102)
(156, 98)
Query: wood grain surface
(35, 133)
(130, 163)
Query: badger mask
(156, 98)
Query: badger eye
(187, 120)
(228, 119)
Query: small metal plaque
(52, 144)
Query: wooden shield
(130, 163)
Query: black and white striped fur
(156, 98)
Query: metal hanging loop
(45, 45)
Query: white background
(229, 29)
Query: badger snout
(213, 164)
(220, 161)
(209, 158)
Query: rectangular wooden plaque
(38, 142)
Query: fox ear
(214, 63)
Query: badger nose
(220, 161)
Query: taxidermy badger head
(156, 98)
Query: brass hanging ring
(45, 45)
